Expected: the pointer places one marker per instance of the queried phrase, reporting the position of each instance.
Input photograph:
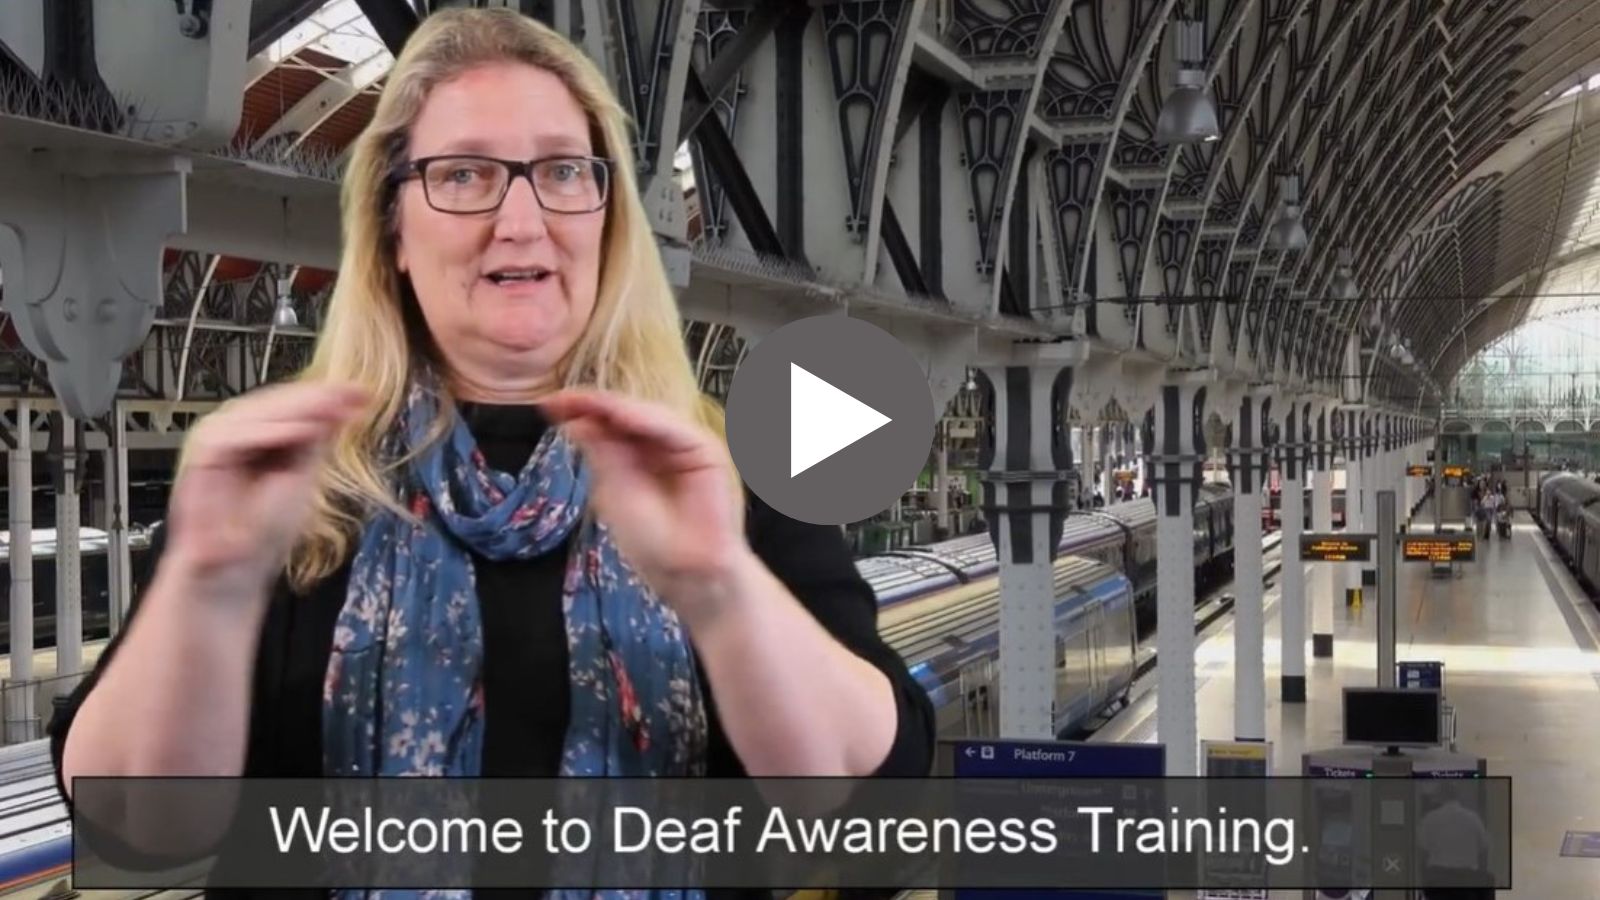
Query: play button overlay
(830, 420)
(824, 420)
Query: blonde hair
(633, 343)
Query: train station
(1195, 393)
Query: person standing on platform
(498, 470)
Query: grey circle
(862, 479)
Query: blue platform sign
(1421, 674)
(1056, 759)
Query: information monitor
(1392, 717)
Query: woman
(499, 472)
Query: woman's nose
(520, 216)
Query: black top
(525, 652)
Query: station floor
(1518, 638)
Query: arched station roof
(1438, 144)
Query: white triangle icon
(824, 420)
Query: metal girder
(868, 47)
(328, 19)
(1388, 106)
(1441, 230)
(1303, 71)
(1416, 128)
(1078, 170)
(1367, 140)
(722, 158)
(1007, 45)
(326, 99)
(14, 71)
(646, 34)
(715, 30)
(393, 20)
(272, 19)
(1235, 93)
(1183, 185)
(1327, 102)
(728, 60)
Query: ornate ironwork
(995, 28)
(1074, 174)
(991, 126)
(1208, 283)
(1173, 237)
(644, 83)
(1238, 298)
(713, 30)
(1133, 214)
(865, 42)
(1096, 59)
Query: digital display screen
(1438, 549)
(1419, 471)
(1456, 471)
(1335, 547)
(1392, 717)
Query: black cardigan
(525, 647)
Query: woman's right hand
(246, 485)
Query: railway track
(36, 834)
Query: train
(1566, 509)
(939, 608)
(1271, 511)
(95, 581)
(1105, 599)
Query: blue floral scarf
(403, 695)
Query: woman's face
(501, 332)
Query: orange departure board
(1419, 471)
(1439, 548)
(1335, 547)
(1456, 471)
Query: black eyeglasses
(467, 185)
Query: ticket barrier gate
(1397, 829)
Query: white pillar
(1397, 472)
(1292, 457)
(1177, 473)
(1408, 492)
(1391, 482)
(19, 706)
(1106, 455)
(119, 563)
(69, 582)
(1085, 451)
(1328, 581)
(1028, 508)
(1249, 636)
(1354, 495)
(1371, 482)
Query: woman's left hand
(663, 485)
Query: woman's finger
(301, 401)
(230, 447)
(641, 452)
(633, 418)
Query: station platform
(1518, 640)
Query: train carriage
(939, 608)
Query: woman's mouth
(507, 277)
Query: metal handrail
(49, 690)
